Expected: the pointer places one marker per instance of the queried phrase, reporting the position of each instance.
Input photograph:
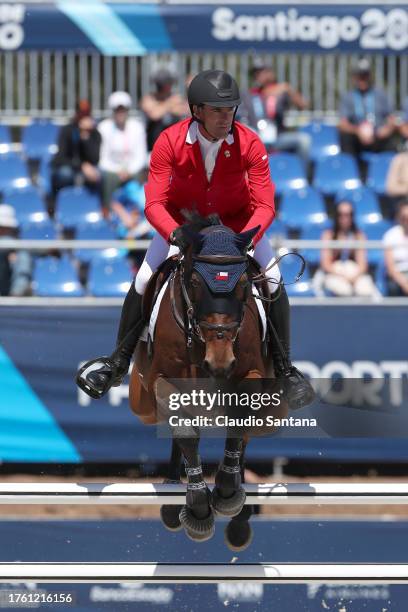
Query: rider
(213, 164)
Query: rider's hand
(178, 239)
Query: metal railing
(48, 84)
(141, 245)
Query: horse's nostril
(206, 365)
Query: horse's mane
(198, 223)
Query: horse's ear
(243, 240)
(193, 238)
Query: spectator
(265, 106)
(396, 253)
(346, 270)
(78, 151)
(162, 107)
(397, 179)
(404, 125)
(366, 119)
(123, 150)
(15, 266)
(128, 205)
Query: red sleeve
(158, 185)
(261, 188)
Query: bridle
(193, 329)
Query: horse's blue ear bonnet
(220, 277)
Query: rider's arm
(158, 185)
(261, 188)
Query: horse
(203, 332)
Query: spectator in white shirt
(396, 253)
(123, 150)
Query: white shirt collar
(192, 134)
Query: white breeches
(159, 250)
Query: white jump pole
(158, 494)
(287, 573)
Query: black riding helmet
(215, 88)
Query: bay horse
(208, 332)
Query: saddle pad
(149, 329)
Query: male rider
(212, 164)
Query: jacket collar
(192, 137)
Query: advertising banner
(44, 417)
(137, 29)
(290, 540)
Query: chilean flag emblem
(221, 276)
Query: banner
(137, 29)
(139, 540)
(44, 417)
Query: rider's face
(217, 121)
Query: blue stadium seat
(39, 139)
(44, 175)
(324, 140)
(109, 278)
(290, 266)
(277, 228)
(77, 206)
(301, 208)
(13, 173)
(38, 231)
(96, 231)
(5, 139)
(56, 278)
(380, 278)
(365, 203)
(378, 167)
(287, 172)
(335, 173)
(131, 195)
(375, 231)
(28, 205)
(313, 232)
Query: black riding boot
(298, 390)
(97, 382)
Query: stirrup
(81, 381)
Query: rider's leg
(112, 372)
(300, 392)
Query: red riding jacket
(240, 190)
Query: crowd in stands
(344, 182)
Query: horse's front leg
(169, 513)
(228, 496)
(196, 516)
(238, 532)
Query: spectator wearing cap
(366, 116)
(77, 158)
(15, 266)
(162, 107)
(123, 150)
(265, 106)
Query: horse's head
(218, 288)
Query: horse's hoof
(228, 506)
(170, 517)
(170, 514)
(196, 529)
(238, 535)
